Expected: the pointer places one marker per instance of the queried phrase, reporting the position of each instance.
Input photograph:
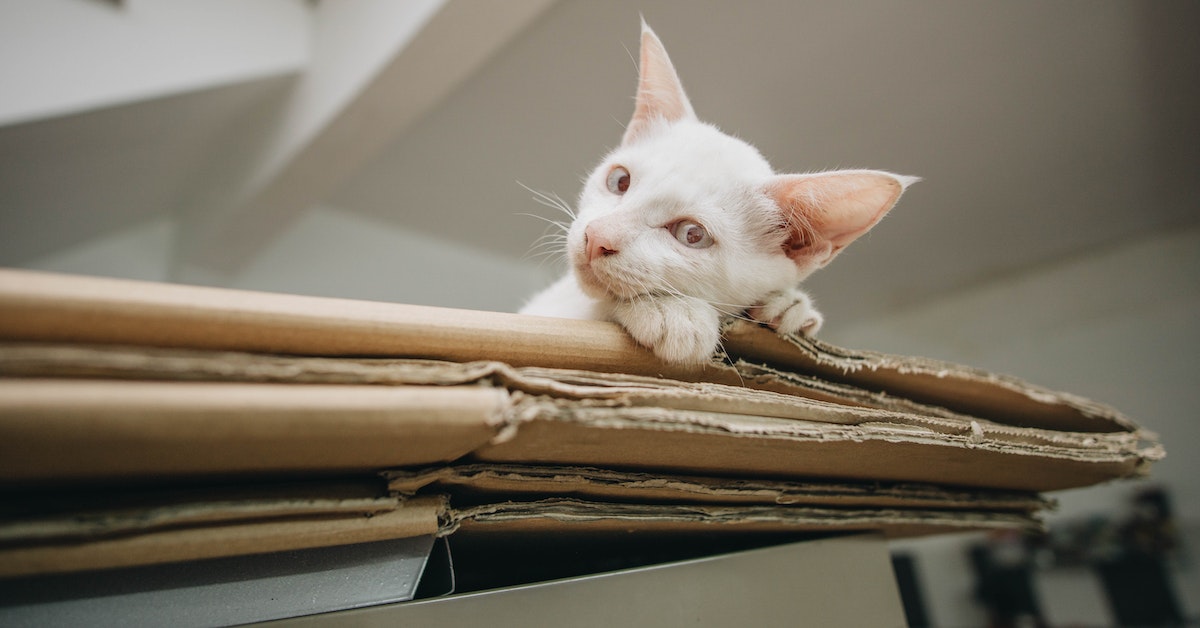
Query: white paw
(678, 330)
(789, 311)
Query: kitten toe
(772, 309)
(789, 312)
(688, 344)
(679, 331)
(803, 320)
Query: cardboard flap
(441, 411)
(866, 445)
(971, 391)
(476, 482)
(61, 429)
(759, 388)
(83, 515)
(48, 307)
(564, 516)
(416, 517)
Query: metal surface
(845, 581)
(223, 591)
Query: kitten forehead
(696, 151)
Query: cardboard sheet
(441, 411)
(87, 514)
(87, 530)
(258, 535)
(64, 308)
(59, 430)
(500, 424)
(475, 483)
(878, 447)
(142, 363)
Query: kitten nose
(597, 244)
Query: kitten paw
(789, 311)
(678, 330)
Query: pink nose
(597, 243)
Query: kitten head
(680, 208)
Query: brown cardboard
(560, 516)
(60, 429)
(56, 429)
(490, 482)
(63, 308)
(544, 425)
(76, 515)
(416, 517)
(696, 442)
(971, 391)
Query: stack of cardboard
(147, 423)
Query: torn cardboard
(582, 517)
(475, 483)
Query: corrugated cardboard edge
(965, 389)
(36, 306)
(491, 481)
(416, 517)
(568, 515)
(688, 442)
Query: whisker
(551, 200)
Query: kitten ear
(827, 211)
(660, 95)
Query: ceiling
(1042, 131)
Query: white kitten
(682, 224)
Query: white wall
(1119, 326)
(66, 56)
(336, 253)
(327, 252)
(141, 251)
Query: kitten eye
(691, 234)
(618, 180)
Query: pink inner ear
(826, 212)
(660, 94)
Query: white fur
(670, 297)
